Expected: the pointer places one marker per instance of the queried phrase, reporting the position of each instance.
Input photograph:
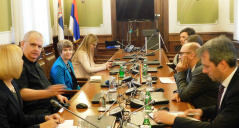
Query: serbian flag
(60, 22)
(74, 22)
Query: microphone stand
(138, 110)
(59, 105)
(107, 110)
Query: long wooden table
(87, 92)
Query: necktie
(220, 92)
(189, 76)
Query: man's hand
(182, 65)
(55, 117)
(195, 113)
(176, 97)
(61, 98)
(164, 117)
(55, 90)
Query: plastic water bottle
(121, 71)
(102, 103)
(146, 123)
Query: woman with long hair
(82, 60)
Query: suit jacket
(201, 90)
(228, 116)
(59, 73)
(11, 113)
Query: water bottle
(121, 71)
(149, 80)
(147, 107)
(111, 83)
(146, 123)
(102, 103)
(145, 71)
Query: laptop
(118, 63)
(114, 71)
(152, 62)
(157, 96)
(113, 97)
(128, 57)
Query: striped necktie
(220, 92)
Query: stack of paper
(95, 79)
(167, 80)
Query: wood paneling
(174, 38)
(120, 29)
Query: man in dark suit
(194, 85)
(219, 59)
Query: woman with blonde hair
(82, 60)
(11, 105)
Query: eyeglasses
(181, 53)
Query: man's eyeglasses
(181, 53)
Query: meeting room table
(89, 89)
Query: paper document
(67, 124)
(175, 113)
(166, 80)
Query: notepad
(95, 79)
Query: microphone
(120, 43)
(55, 103)
(107, 110)
(152, 102)
(147, 41)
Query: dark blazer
(201, 90)
(11, 113)
(60, 75)
(228, 117)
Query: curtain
(236, 19)
(31, 15)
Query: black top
(11, 114)
(33, 77)
(73, 77)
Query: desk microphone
(107, 110)
(55, 103)
(152, 102)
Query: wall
(5, 22)
(222, 24)
(94, 16)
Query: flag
(74, 22)
(60, 22)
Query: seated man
(194, 85)
(36, 91)
(219, 60)
(183, 35)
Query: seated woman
(82, 60)
(62, 71)
(11, 105)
